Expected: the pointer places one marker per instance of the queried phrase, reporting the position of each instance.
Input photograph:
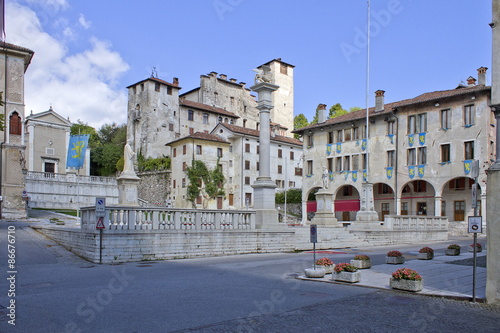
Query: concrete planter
(452, 252)
(315, 273)
(425, 256)
(395, 260)
(361, 264)
(328, 268)
(351, 277)
(409, 285)
(478, 249)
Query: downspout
(4, 123)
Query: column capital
(496, 110)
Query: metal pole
(474, 263)
(367, 90)
(314, 255)
(100, 246)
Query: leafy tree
(336, 110)
(299, 121)
(83, 128)
(105, 156)
(355, 108)
(293, 196)
(203, 181)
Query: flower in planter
(324, 262)
(361, 257)
(454, 247)
(345, 267)
(426, 250)
(406, 274)
(478, 245)
(394, 254)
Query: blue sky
(87, 52)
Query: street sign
(314, 233)
(475, 224)
(100, 223)
(474, 195)
(100, 204)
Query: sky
(88, 52)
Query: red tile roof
(204, 107)
(256, 133)
(201, 136)
(389, 107)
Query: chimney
(232, 80)
(481, 76)
(471, 81)
(223, 76)
(213, 74)
(379, 100)
(175, 82)
(321, 113)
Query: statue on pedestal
(263, 74)
(128, 160)
(325, 177)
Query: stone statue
(325, 178)
(263, 74)
(128, 159)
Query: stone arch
(418, 198)
(346, 203)
(311, 205)
(456, 199)
(384, 199)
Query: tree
(299, 121)
(336, 110)
(106, 155)
(355, 108)
(205, 182)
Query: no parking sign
(475, 224)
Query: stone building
(418, 155)
(14, 61)
(158, 113)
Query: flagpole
(367, 89)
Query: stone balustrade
(161, 218)
(415, 222)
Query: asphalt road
(56, 291)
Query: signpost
(100, 213)
(475, 223)
(314, 239)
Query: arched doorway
(456, 199)
(418, 198)
(347, 203)
(383, 196)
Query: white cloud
(79, 86)
(83, 22)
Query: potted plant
(361, 261)
(394, 258)
(325, 263)
(452, 250)
(479, 247)
(346, 273)
(425, 253)
(406, 279)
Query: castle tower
(282, 76)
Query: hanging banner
(411, 139)
(363, 144)
(76, 150)
(411, 171)
(389, 171)
(365, 175)
(330, 173)
(421, 138)
(328, 148)
(421, 170)
(339, 147)
(467, 166)
(354, 176)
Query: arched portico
(383, 196)
(456, 199)
(417, 198)
(347, 203)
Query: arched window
(15, 124)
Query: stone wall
(154, 187)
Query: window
(340, 136)
(347, 134)
(175, 183)
(231, 99)
(420, 186)
(469, 115)
(190, 115)
(258, 166)
(174, 152)
(184, 166)
(247, 147)
(15, 124)
(244, 123)
(330, 137)
(247, 180)
(280, 169)
(248, 199)
(469, 150)
(284, 69)
(298, 171)
(230, 163)
(443, 208)
(411, 157)
(457, 184)
(199, 200)
(184, 150)
(199, 150)
(446, 119)
(338, 164)
(157, 87)
(291, 184)
(422, 155)
(191, 130)
(230, 149)
(280, 153)
(411, 125)
(171, 127)
(355, 133)
(421, 122)
(292, 156)
(390, 158)
(391, 127)
(216, 97)
(219, 152)
(355, 162)
(231, 199)
(247, 165)
(310, 169)
(404, 208)
(347, 163)
(183, 182)
(445, 153)
(329, 162)
(364, 161)
(363, 132)
(258, 150)
(384, 189)
(169, 90)
(205, 118)
(49, 167)
(310, 140)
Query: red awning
(347, 205)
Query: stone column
(264, 187)
(493, 178)
(437, 205)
